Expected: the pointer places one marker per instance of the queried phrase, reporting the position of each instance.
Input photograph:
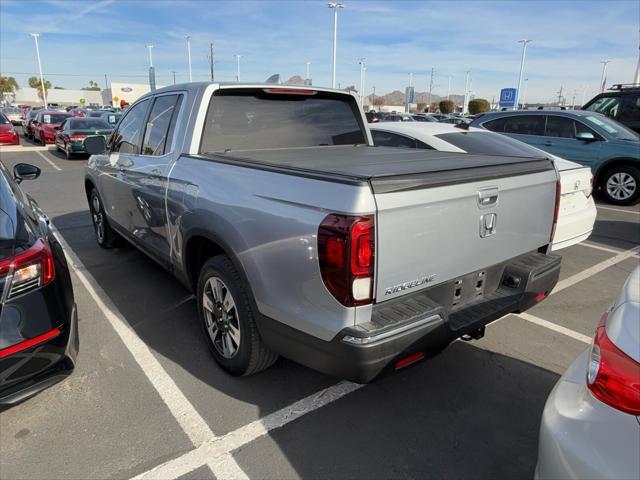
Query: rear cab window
(250, 119)
(609, 106)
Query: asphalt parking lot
(147, 399)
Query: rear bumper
(60, 354)
(424, 321)
(575, 227)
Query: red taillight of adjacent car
(29, 270)
(346, 252)
(32, 342)
(556, 210)
(612, 376)
(77, 136)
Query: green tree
(34, 82)
(8, 85)
(446, 106)
(478, 105)
(92, 86)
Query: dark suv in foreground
(621, 102)
(38, 321)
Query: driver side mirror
(95, 145)
(25, 171)
(586, 136)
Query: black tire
(106, 237)
(251, 354)
(621, 185)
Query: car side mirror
(95, 145)
(586, 136)
(25, 171)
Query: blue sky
(85, 40)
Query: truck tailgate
(438, 227)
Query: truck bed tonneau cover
(387, 169)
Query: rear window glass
(53, 118)
(82, 123)
(249, 120)
(489, 144)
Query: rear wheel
(105, 235)
(621, 185)
(228, 320)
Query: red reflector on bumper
(540, 296)
(405, 362)
(32, 342)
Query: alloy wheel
(98, 218)
(621, 186)
(221, 317)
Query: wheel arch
(613, 163)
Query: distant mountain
(398, 98)
(295, 80)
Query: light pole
(466, 91)
(307, 64)
(237, 67)
(189, 57)
(361, 62)
(149, 47)
(524, 93)
(44, 92)
(430, 90)
(524, 43)
(335, 6)
(449, 89)
(603, 78)
(173, 72)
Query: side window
(157, 138)
(127, 138)
(559, 127)
(63, 125)
(630, 109)
(609, 106)
(496, 125)
(388, 139)
(525, 124)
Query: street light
(237, 67)
(335, 6)
(524, 43)
(466, 91)
(307, 64)
(603, 79)
(524, 93)
(149, 47)
(44, 92)
(361, 63)
(189, 57)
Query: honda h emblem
(488, 223)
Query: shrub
(446, 106)
(478, 105)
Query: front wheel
(228, 321)
(621, 185)
(105, 235)
(67, 152)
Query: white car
(591, 422)
(577, 209)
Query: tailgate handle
(487, 197)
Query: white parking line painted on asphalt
(182, 410)
(600, 207)
(597, 268)
(600, 247)
(49, 161)
(217, 452)
(555, 327)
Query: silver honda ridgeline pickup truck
(302, 239)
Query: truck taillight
(556, 210)
(612, 376)
(29, 270)
(346, 252)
